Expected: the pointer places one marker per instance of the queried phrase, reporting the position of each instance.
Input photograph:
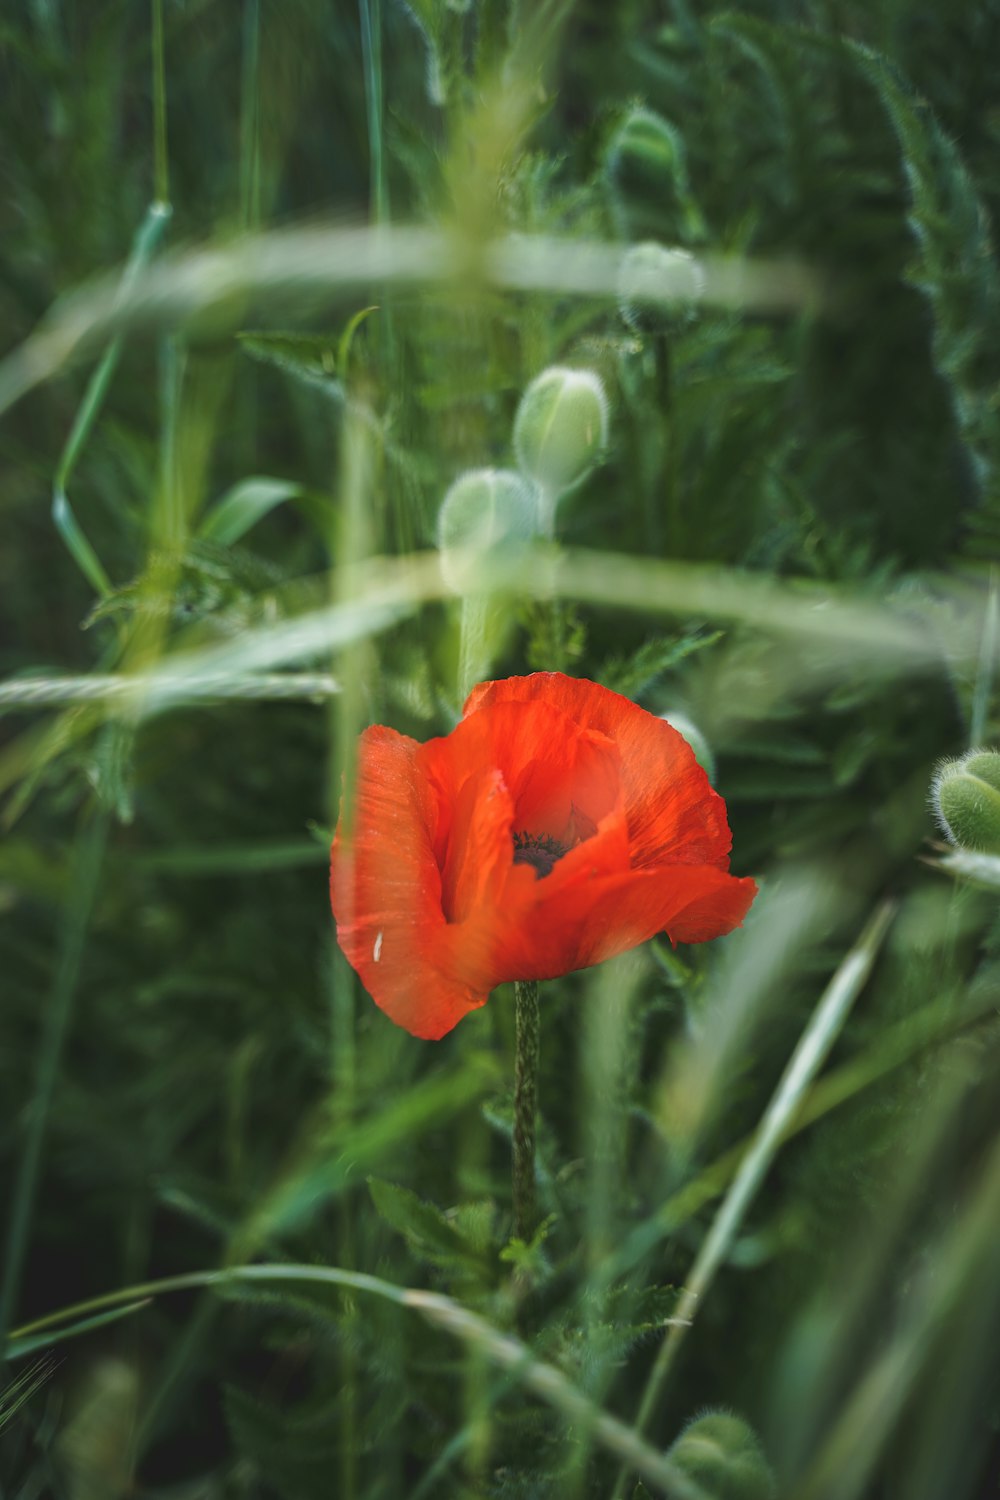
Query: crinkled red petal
(385, 887)
(558, 773)
(604, 908)
(431, 909)
(673, 814)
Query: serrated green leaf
(631, 675)
(310, 357)
(431, 1235)
(424, 1225)
(294, 1452)
(956, 266)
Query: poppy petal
(557, 825)
(673, 813)
(559, 774)
(385, 887)
(589, 920)
(720, 905)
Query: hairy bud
(485, 512)
(561, 427)
(655, 283)
(722, 1455)
(966, 797)
(647, 175)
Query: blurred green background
(220, 476)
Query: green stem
(161, 158)
(982, 692)
(526, 1032)
(250, 118)
(82, 890)
(371, 53)
(473, 651)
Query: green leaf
(631, 675)
(241, 507)
(18, 1348)
(433, 1238)
(311, 358)
(955, 267)
(335, 1157)
(293, 1451)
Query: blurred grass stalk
(942, 1338)
(293, 271)
(819, 635)
(544, 1380)
(813, 1048)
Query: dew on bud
(965, 795)
(485, 512)
(561, 427)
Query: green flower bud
(486, 511)
(702, 751)
(722, 1455)
(966, 798)
(655, 283)
(561, 427)
(647, 175)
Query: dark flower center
(539, 850)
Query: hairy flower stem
(526, 1029)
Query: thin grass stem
(813, 1048)
(297, 269)
(250, 118)
(501, 1349)
(161, 157)
(371, 54)
(985, 667)
(44, 692)
(87, 860)
(79, 547)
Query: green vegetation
(273, 278)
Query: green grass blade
(813, 1048)
(80, 549)
(502, 1350)
(82, 894)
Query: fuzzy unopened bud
(561, 427)
(655, 284)
(689, 729)
(722, 1455)
(647, 175)
(486, 512)
(966, 798)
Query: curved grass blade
(80, 549)
(18, 1348)
(814, 1046)
(544, 1380)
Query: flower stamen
(538, 850)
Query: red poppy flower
(557, 825)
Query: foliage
(220, 477)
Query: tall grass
(271, 279)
